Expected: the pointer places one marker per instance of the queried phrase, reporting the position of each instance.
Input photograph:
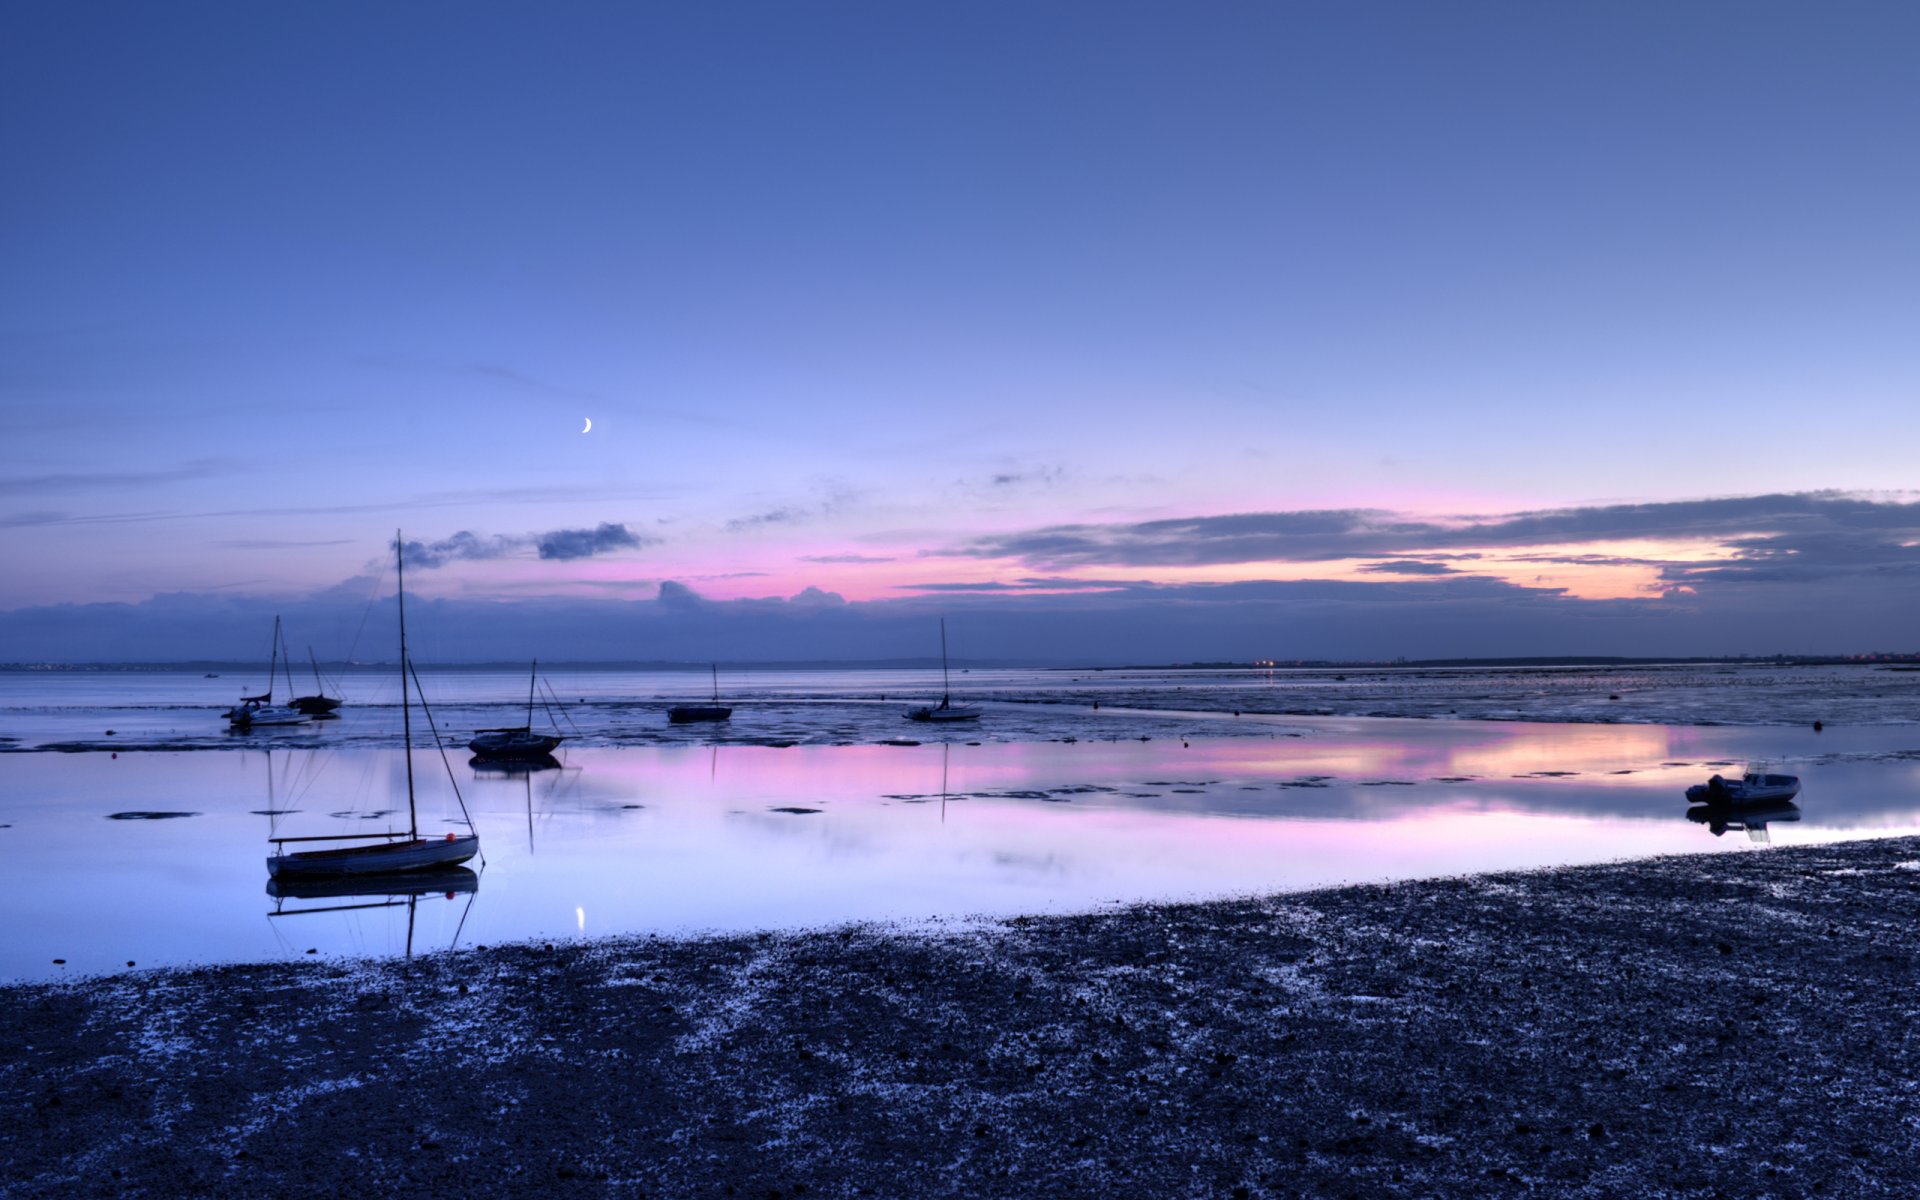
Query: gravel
(1728, 1024)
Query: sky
(1111, 332)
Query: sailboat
(318, 704)
(261, 710)
(683, 714)
(399, 851)
(516, 741)
(946, 710)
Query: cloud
(69, 481)
(567, 544)
(1031, 584)
(1408, 566)
(1762, 527)
(277, 544)
(464, 546)
(845, 558)
(779, 516)
(833, 495)
(558, 545)
(1456, 615)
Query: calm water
(611, 707)
(686, 838)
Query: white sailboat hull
(416, 854)
(267, 714)
(952, 712)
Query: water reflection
(496, 768)
(1754, 818)
(395, 890)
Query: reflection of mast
(945, 749)
(396, 891)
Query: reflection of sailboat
(451, 881)
(261, 710)
(1754, 818)
(381, 891)
(318, 704)
(400, 852)
(683, 714)
(498, 767)
(517, 741)
(1757, 786)
(946, 710)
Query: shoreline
(1666, 1026)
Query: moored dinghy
(515, 742)
(261, 710)
(686, 714)
(946, 710)
(319, 704)
(1757, 786)
(398, 852)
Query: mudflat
(1739, 1024)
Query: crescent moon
(589, 427)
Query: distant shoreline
(1890, 660)
(1732, 1023)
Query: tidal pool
(691, 838)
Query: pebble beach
(1683, 1026)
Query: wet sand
(1686, 1026)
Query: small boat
(260, 710)
(946, 710)
(1756, 786)
(686, 714)
(516, 741)
(399, 852)
(319, 704)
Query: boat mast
(406, 719)
(946, 689)
(318, 686)
(273, 662)
(715, 668)
(533, 673)
(288, 655)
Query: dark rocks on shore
(1724, 1024)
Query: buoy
(1818, 726)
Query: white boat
(516, 741)
(1757, 786)
(946, 710)
(259, 710)
(395, 851)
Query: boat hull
(417, 854)
(511, 746)
(444, 881)
(313, 705)
(248, 718)
(1734, 793)
(686, 714)
(956, 712)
